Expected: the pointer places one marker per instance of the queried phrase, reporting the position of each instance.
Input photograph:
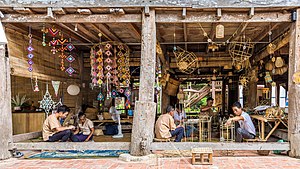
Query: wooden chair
(205, 153)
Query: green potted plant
(17, 102)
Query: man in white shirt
(246, 129)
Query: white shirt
(86, 127)
(247, 123)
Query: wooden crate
(205, 154)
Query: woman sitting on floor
(85, 129)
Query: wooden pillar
(145, 110)
(5, 100)
(213, 91)
(252, 92)
(294, 89)
(223, 96)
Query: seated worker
(246, 129)
(166, 128)
(52, 129)
(85, 129)
(207, 110)
(179, 118)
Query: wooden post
(252, 92)
(145, 110)
(223, 96)
(294, 89)
(5, 100)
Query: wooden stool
(161, 139)
(203, 152)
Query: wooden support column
(5, 100)
(145, 110)
(294, 89)
(252, 95)
(223, 96)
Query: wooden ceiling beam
(87, 32)
(196, 17)
(239, 31)
(136, 31)
(74, 32)
(105, 29)
(23, 10)
(263, 34)
(103, 34)
(73, 18)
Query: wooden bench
(205, 153)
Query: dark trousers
(80, 137)
(178, 132)
(242, 133)
(63, 136)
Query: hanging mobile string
(174, 37)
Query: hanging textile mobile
(55, 85)
(47, 103)
(54, 42)
(62, 49)
(30, 50)
(70, 70)
(36, 87)
(44, 30)
(127, 94)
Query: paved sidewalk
(249, 162)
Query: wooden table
(262, 120)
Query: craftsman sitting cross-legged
(52, 129)
(85, 129)
(166, 128)
(246, 129)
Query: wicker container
(172, 87)
(106, 116)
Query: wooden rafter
(136, 30)
(76, 33)
(98, 30)
(88, 33)
(263, 34)
(239, 32)
(105, 29)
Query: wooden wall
(46, 68)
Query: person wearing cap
(166, 128)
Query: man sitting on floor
(166, 128)
(85, 129)
(52, 129)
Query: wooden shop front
(149, 43)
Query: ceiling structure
(193, 36)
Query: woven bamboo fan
(186, 61)
(269, 66)
(279, 62)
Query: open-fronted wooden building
(224, 43)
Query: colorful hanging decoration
(45, 31)
(268, 78)
(114, 93)
(30, 50)
(94, 68)
(70, 70)
(54, 42)
(47, 103)
(127, 93)
(62, 55)
(100, 97)
(121, 90)
(110, 64)
(55, 85)
(36, 87)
